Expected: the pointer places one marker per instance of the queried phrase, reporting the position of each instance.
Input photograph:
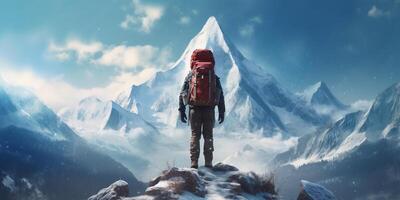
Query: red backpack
(202, 86)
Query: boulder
(115, 191)
(220, 182)
(313, 191)
(224, 167)
(177, 180)
(252, 183)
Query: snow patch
(9, 183)
(317, 192)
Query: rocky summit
(220, 182)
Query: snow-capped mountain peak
(211, 33)
(252, 95)
(382, 120)
(311, 90)
(93, 115)
(320, 95)
(383, 117)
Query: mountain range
(254, 99)
(255, 102)
(139, 129)
(355, 156)
(42, 158)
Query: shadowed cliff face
(39, 168)
(42, 158)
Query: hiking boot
(208, 165)
(194, 164)
(208, 162)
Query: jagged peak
(396, 87)
(210, 35)
(311, 90)
(319, 86)
(212, 26)
(390, 92)
(376, 124)
(319, 93)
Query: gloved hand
(221, 117)
(183, 116)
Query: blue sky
(354, 46)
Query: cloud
(375, 12)
(256, 19)
(74, 47)
(247, 30)
(362, 105)
(57, 93)
(133, 56)
(121, 56)
(144, 15)
(184, 20)
(195, 12)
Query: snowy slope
(20, 108)
(121, 134)
(254, 99)
(315, 191)
(92, 115)
(36, 145)
(382, 120)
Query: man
(202, 91)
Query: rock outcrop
(220, 182)
(115, 191)
(313, 191)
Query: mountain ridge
(39, 152)
(380, 121)
(253, 96)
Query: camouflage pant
(202, 123)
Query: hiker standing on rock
(202, 91)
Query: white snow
(248, 88)
(27, 183)
(93, 115)
(309, 92)
(317, 192)
(9, 183)
(352, 141)
(258, 109)
(381, 119)
(26, 111)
